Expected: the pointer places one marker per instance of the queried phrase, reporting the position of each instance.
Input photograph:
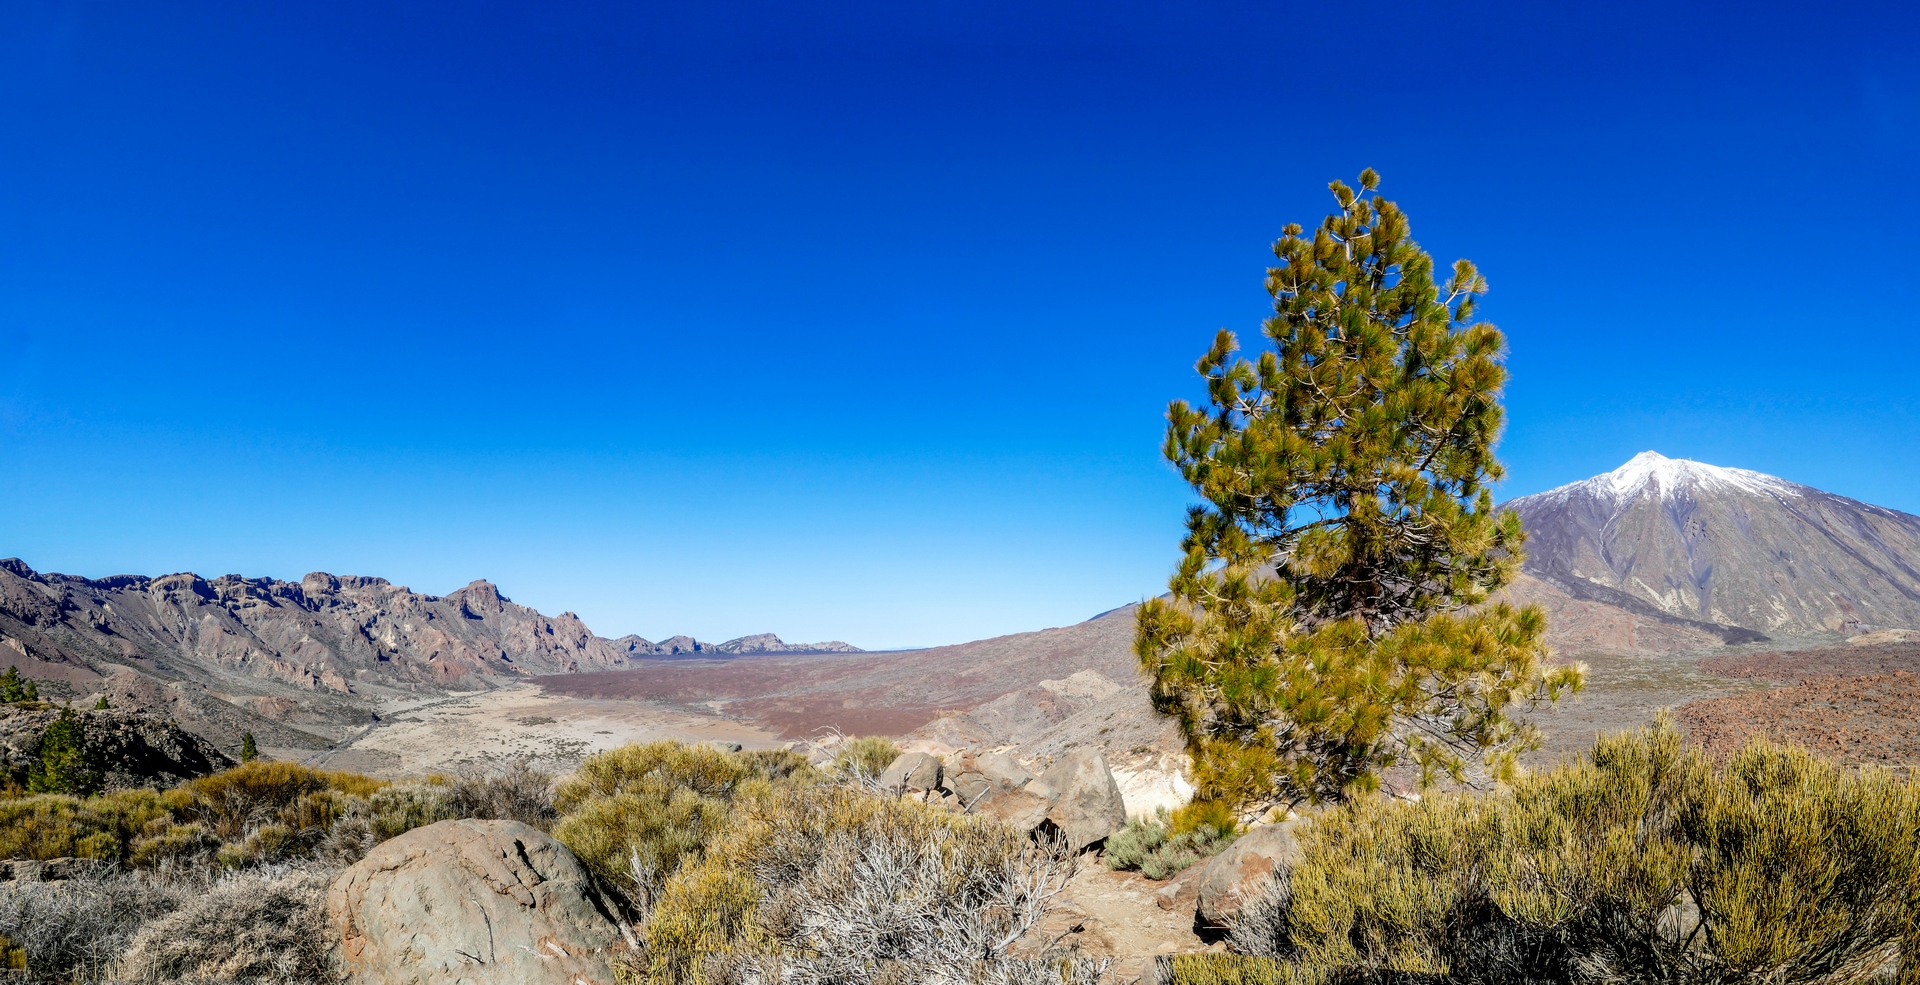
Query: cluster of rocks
(1076, 799)
(129, 749)
(498, 902)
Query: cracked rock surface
(475, 903)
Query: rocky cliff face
(686, 647)
(1730, 547)
(321, 634)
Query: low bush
(517, 792)
(1644, 863)
(816, 884)
(1234, 969)
(234, 801)
(636, 814)
(863, 758)
(1157, 851)
(702, 769)
(76, 930)
(265, 928)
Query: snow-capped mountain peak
(1674, 475)
(1670, 477)
(1727, 547)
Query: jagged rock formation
(321, 635)
(769, 643)
(1721, 547)
(686, 647)
(129, 749)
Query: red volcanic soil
(1804, 665)
(1859, 721)
(867, 693)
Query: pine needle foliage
(1329, 620)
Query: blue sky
(858, 320)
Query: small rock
(912, 771)
(1247, 864)
(473, 903)
(1087, 804)
(725, 746)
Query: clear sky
(858, 320)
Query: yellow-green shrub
(867, 756)
(703, 769)
(234, 801)
(173, 843)
(46, 826)
(395, 810)
(1235, 969)
(1800, 871)
(662, 824)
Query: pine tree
(101, 705)
(64, 766)
(29, 691)
(248, 751)
(11, 689)
(1329, 620)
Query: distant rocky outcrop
(686, 647)
(1718, 547)
(128, 749)
(323, 634)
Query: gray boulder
(977, 776)
(912, 771)
(473, 903)
(1025, 808)
(1230, 878)
(1087, 806)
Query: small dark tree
(64, 765)
(248, 751)
(102, 704)
(1315, 637)
(29, 691)
(11, 688)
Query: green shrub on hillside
(636, 814)
(1644, 863)
(1151, 846)
(702, 769)
(65, 764)
(864, 758)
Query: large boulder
(912, 771)
(1087, 805)
(1025, 808)
(474, 903)
(977, 776)
(1233, 876)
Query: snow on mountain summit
(1670, 477)
(1727, 547)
